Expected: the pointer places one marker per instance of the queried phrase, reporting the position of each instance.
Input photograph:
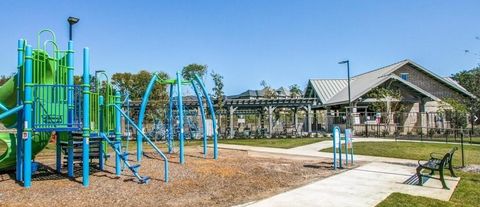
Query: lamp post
(349, 98)
(71, 22)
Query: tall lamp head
(73, 20)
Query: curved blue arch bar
(180, 118)
(170, 120)
(212, 112)
(204, 122)
(141, 114)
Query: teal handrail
(165, 159)
(10, 112)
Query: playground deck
(235, 178)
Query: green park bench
(437, 162)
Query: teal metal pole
(180, 117)
(204, 121)
(118, 138)
(70, 115)
(101, 155)
(212, 113)
(346, 148)
(340, 147)
(86, 117)
(11, 112)
(19, 143)
(27, 113)
(336, 135)
(170, 120)
(141, 115)
(4, 108)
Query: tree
(136, 86)
(387, 100)
(4, 79)
(455, 111)
(218, 93)
(189, 71)
(268, 91)
(295, 91)
(470, 80)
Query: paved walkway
(366, 185)
(310, 151)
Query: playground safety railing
(51, 108)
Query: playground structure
(200, 91)
(337, 147)
(41, 99)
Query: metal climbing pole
(170, 120)
(141, 115)
(86, 117)
(204, 121)
(118, 138)
(27, 113)
(19, 163)
(180, 117)
(212, 113)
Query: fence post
(463, 155)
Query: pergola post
(270, 120)
(231, 112)
(421, 112)
(309, 119)
(295, 120)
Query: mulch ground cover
(233, 179)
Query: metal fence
(445, 127)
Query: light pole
(349, 98)
(71, 22)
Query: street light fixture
(71, 22)
(349, 98)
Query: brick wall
(428, 83)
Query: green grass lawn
(284, 143)
(467, 193)
(414, 150)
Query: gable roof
(325, 89)
(448, 82)
(362, 83)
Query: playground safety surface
(235, 178)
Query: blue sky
(282, 42)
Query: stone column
(231, 112)
(421, 115)
(270, 119)
(295, 120)
(309, 119)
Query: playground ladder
(124, 158)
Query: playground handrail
(165, 159)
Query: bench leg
(419, 175)
(450, 167)
(442, 179)
(432, 172)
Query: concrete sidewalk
(307, 152)
(367, 185)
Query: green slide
(8, 98)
